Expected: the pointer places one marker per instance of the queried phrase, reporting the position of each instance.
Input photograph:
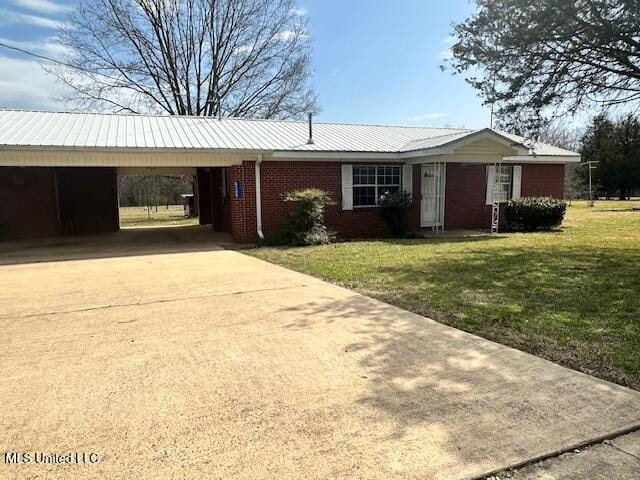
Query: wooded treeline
(614, 144)
(142, 190)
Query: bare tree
(570, 137)
(246, 58)
(562, 135)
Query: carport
(59, 171)
(47, 192)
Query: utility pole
(493, 92)
(591, 166)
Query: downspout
(258, 199)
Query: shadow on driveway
(123, 243)
(477, 403)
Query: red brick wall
(543, 181)
(27, 203)
(464, 203)
(243, 209)
(278, 178)
(466, 191)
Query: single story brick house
(58, 171)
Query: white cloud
(243, 49)
(24, 84)
(42, 6)
(285, 35)
(300, 11)
(427, 116)
(10, 16)
(48, 46)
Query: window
(504, 178)
(370, 182)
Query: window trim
(376, 185)
(510, 191)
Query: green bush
(305, 223)
(534, 213)
(393, 209)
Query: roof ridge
(209, 117)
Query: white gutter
(258, 199)
(545, 158)
(333, 155)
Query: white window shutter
(517, 181)
(491, 178)
(407, 179)
(347, 187)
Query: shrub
(535, 213)
(393, 209)
(305, 223)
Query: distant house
(58, 171)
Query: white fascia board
(543, 158)
(491, 159)
(178, 150)
(334, 156)
(46, 157)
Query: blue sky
(374, 61)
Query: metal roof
(19, 128)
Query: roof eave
(333, 155)
(184, 150)
(544, 158)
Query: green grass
(139, 217)
(571, 296)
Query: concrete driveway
(213, 364)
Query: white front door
(432, 195)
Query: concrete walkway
(615, 459)
(213, 364)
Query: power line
(86, 71)
(36, 55)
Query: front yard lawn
(571, 296)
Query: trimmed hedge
(535, 213)
(393, 209)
